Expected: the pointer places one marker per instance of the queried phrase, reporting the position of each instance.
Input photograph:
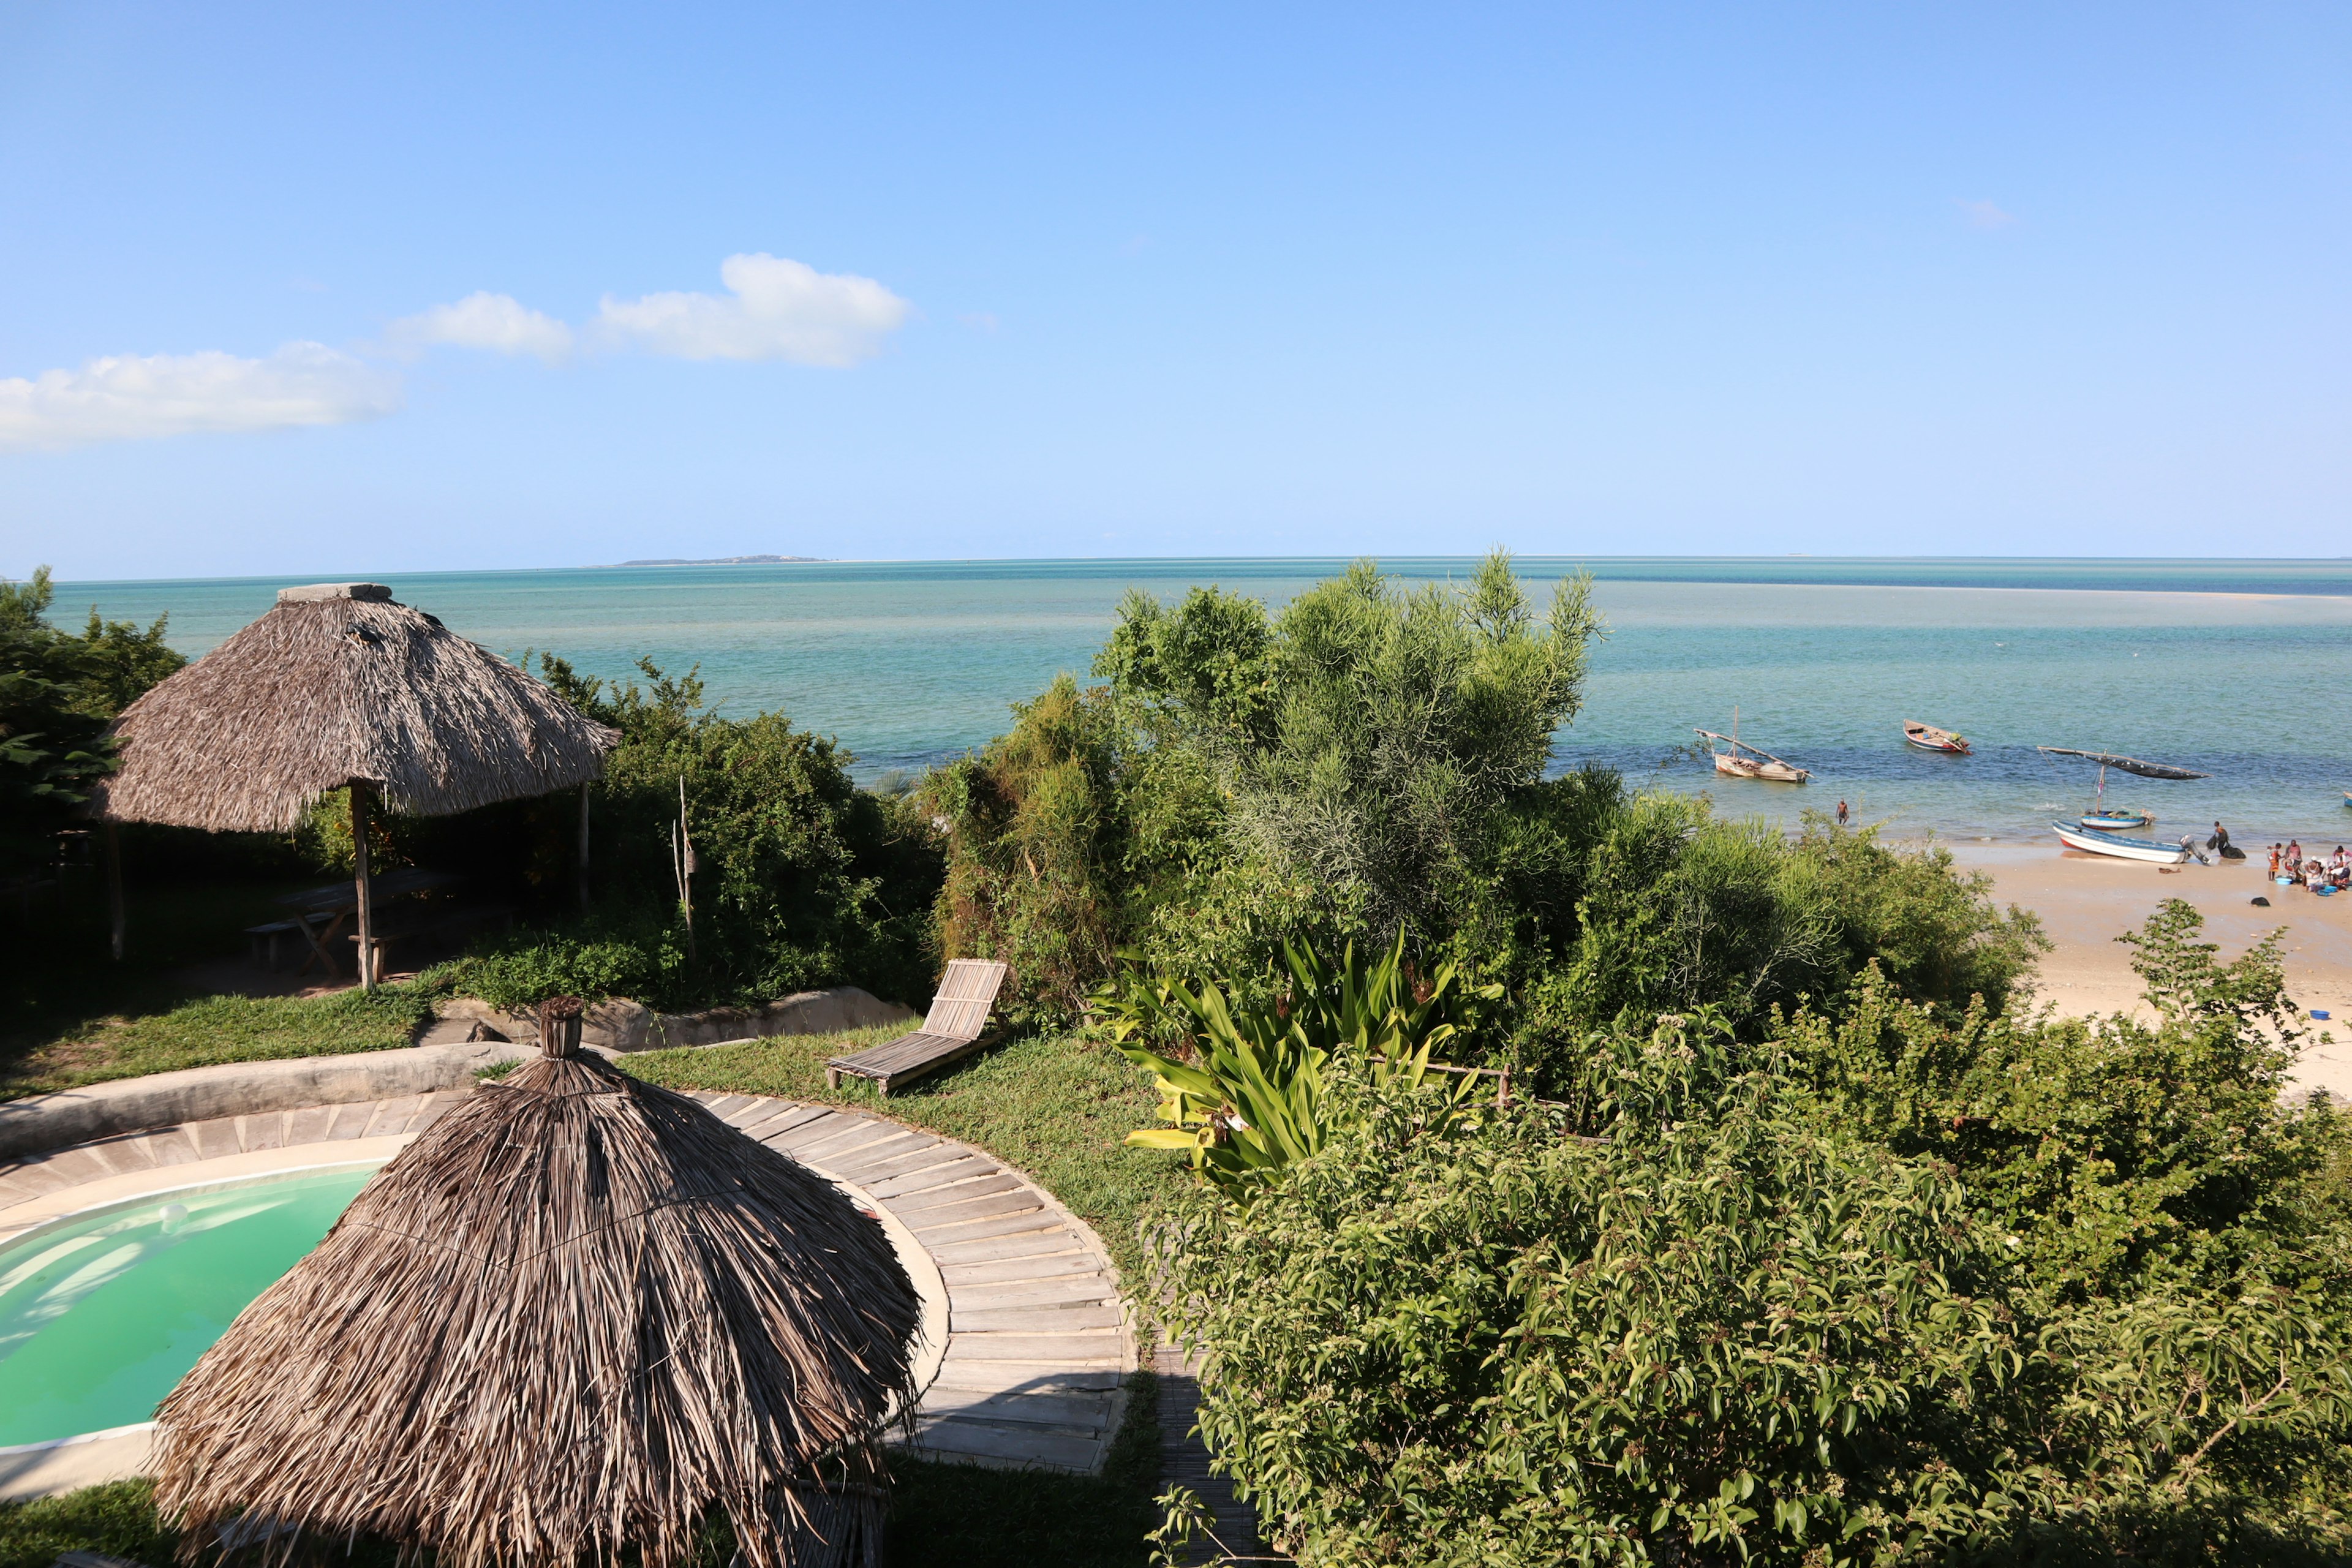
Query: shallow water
(2237, 668)
(100, 1316)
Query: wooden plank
(123, 1156)
(839, 1154)
(1079, 1347)
(823, 1122)
(992, 1248)
(725, 1103)
(1033, 1317)
(849, 1134)
(938, 1152)
(955, 1165)
(1073, 1411)
(965, 1192)
(23, 1183)
(1016, 1376)
(878, 1159)
(1022, 1199)
(1072, 1262)
(1073, 1288)
(755, 1107)
(1029, 1448)
(956, 1233)
(787, 1115)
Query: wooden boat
(2103, 817)
(1927, 738)
(1747, 762)
(2098, 843)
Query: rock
(802, 1013)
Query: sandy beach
(2087, 900)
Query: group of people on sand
(2290, 867)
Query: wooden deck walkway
(1038, 1349)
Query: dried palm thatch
(576, 1316)
(338, 684)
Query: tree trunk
(366, 896)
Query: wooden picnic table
(339, 900)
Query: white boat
(1928, 738)
(2102, 816)
(1747, 762)
(2097, 843)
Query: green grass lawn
(209, 1029)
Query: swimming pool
(103, 1312)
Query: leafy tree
(804, 878)
(1367, 734)
(58, 693)
(1064, 834)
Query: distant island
(724, 561)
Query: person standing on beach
(2221, 839)
(2275, 860)
(1841, 814)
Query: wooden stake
(115, 921)
(366, 897)
(684, 844)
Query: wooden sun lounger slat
(951, 1030)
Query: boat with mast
(1745, 762)
(2094, 830)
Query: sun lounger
(959, 1015)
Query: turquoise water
(2240, 668)
(102, 1315)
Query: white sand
(2087, 900)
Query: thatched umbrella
(338, 687)
(577, 1315)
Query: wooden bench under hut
(951, 1031)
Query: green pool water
(101, 1314)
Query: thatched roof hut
(338, 687)
(335, 685)
(578, 1314)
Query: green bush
(1064, 834)
(1886, 1288)
(803, 880)
(58, 693)
(1366, 735)
(1252, 1098)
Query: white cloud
(1984, 214)
(498, 322)
(130, 397)
(780, 309)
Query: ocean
(2238, 667)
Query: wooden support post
(366, 897)
(115, 921)
(559, 1026)
(583, 844)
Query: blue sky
(348, 289)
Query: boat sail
(2092, 830)
(1747, 762)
